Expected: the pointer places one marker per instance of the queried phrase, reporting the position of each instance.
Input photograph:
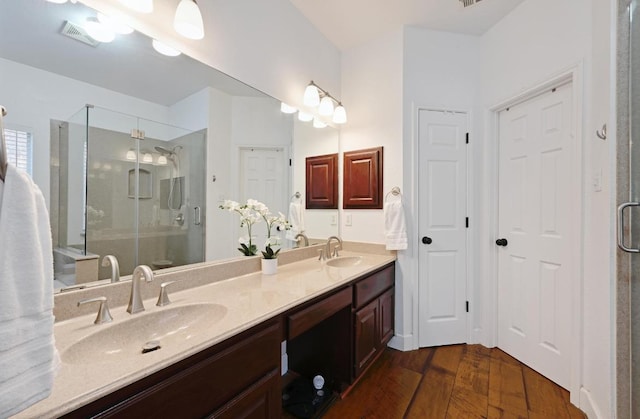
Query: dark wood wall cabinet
(362, 180)
(338, 334)
(322, 182)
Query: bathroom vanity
(335, 319)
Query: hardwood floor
(459, 381)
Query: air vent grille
(78, 33)
(467, 3)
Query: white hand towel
(395, 229)
(28, 358)
(296, 219)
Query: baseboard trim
(588, 406)
(402, 343)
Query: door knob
(502, 242)
(427, 240)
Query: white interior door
(442, 187)
(535, 268)
(263, 171)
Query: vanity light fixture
(284, 108)
(311, 95)
(317, 123)
(305, 117)
(147, 158)
(115, 24)
(131, 155)
(314, 96)
(339, 114)
(162, 160)
(165, 49)
(98, 31)
(57, 1)
(142, 6)
(188, 20)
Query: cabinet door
(366, 336)
(386, 317)
(260, 401)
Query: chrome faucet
(112, 261)
(302, 236)
(135, 300)
(327, 251)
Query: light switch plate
(348, 220)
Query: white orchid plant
(254, 212)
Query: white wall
(518, 53)
(267, 44)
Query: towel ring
(395, 191)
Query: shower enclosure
(127, 187)
(628, 199)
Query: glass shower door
(172, 222)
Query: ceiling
(348, 23)
(129, 65)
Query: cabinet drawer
(305, 319)
(374, 285)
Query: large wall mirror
(135, 150)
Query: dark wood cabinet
(237, 378)
(322, 182)
(373, 317)
(362, 179)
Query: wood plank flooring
(458, 381)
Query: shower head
(166, 151)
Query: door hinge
(467, 138)
(467, 222)
(289, 162)
(467, 306)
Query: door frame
(573, 75)
(415, 192)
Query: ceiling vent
(468, 3)
(78, 33)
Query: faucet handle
(321, 255)
(335, 250)
(104, 316)
(163, 298)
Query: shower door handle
(621, 209)
(196, 216)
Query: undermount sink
(169, 326)
(344, 261)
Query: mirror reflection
(140, 172)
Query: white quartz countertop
(245, 300)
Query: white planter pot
(269, 266)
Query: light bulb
(317, 123)
(284, 108)
(165, 49)
(339, 114)
(188, 20)
(326, 106)
(142, 6)
(131, 155)
(147, 158)
(311, 96)
(98, 31)
(57, 1)
(115, 24)
(304, 117)
(162, 160)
